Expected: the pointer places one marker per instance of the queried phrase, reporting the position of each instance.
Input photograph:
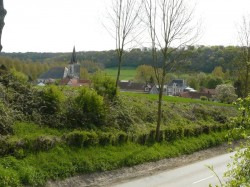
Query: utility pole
(3, 13)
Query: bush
(81, 138)
(53, 99)
(174, 133)
(6, 119)
(225, 93)
(105, 138)
(104, 85)
(122, 137)
(44, 143)
(142, 139)
(204, 98)
(90, 108)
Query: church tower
(74, 66)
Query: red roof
(74, 82)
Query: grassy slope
(173, 99)
(31, 167)
(64, 161)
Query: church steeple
(73, 58)
(74, 67)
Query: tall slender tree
(244, 63)
(170, 26)
(125, 20)
(3, 13)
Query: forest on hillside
(190, 59)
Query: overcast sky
(58, 25)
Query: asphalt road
(193, 175)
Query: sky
(58, 25)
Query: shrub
(104, 85)
(76, 138)
(81, 138)
(44, 143)
(204, 98)
(188, 132)
(225, 93)
(197, 130)
(174, 133)
(6, 119)
(90, 108)
(53, 99)
(122, 137)
(151, 136)
(105, 138)
(142, 139)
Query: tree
(124, 17)
(212, 82)
(218, 72)
(3, 13)
(104, 85)
(145, 73)
(244, 64)
(170, 27)
(237, 173)
(225, 93)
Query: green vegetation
(36, 166)
(173, 99)
(56, 132)
(127, 73)
(199, 59)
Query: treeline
(28, 67)
(195, 59)
(34, 69)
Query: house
(53, 74)
(58, 73)
(129, 86)
(176, 87)
(155, 89)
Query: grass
(63, 161)
(27, 130)
(173, 99)
(127, 73)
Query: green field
(127, 73)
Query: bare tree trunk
(3, 13)
(168, 22)
(244, 36)
(118, 72)
(246, 81)
(159, 113)
(124, 17)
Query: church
(71, 73)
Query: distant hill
(195, 58)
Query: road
(193, 175)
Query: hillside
(193, 58)
(56, 132)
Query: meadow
(127, 73)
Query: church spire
(73, 58)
